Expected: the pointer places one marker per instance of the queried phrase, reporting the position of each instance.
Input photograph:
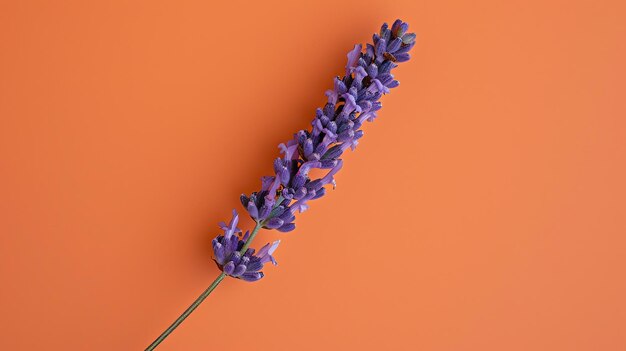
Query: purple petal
(402, 57)
(308, 146)
(263, 251)
(287, 216)
(340, 86)
(265, 211)
(252, 210)
(218, 250)
(403, 28)
(232, 226)
(274, 247)
(369, 51)
(331, 127)
(321, 148)
(353, 58)
(254, 266)
(383, 29)
(287, 228)
(345, 136)
(328, 179)
(298, 181)
(229, 268)
(372, 70)
(408, 38)
(394, 45)
(332, 96)
(319, 194)
(288, 150)
(230, 244)
(239, 270)
(278, 165)
(386, 67)
(235, 258)
(381, 47)
(365, 105)
(272, 190)
(274, 223)
(405, 48)
(252, 276)
(350, 104)
(327, 164)
(359, 73)
(306, 167)
(244, 199)
(313, 185)
(287, 193)
(300, 193)
(396, 25)
(333, 152)
(266, 182)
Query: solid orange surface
(483, 210)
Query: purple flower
(227, 247)
(353, 100)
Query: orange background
(483, 210)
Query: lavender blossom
(336, 127)
(353, 100)
(229, 259)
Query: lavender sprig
(336, 127)
(234, 260)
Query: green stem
(187, 312)
(206, 293)
(255, 231)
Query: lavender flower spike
(354, 99)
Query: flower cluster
(228, 256)
(336, 127)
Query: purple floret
(227, 256)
